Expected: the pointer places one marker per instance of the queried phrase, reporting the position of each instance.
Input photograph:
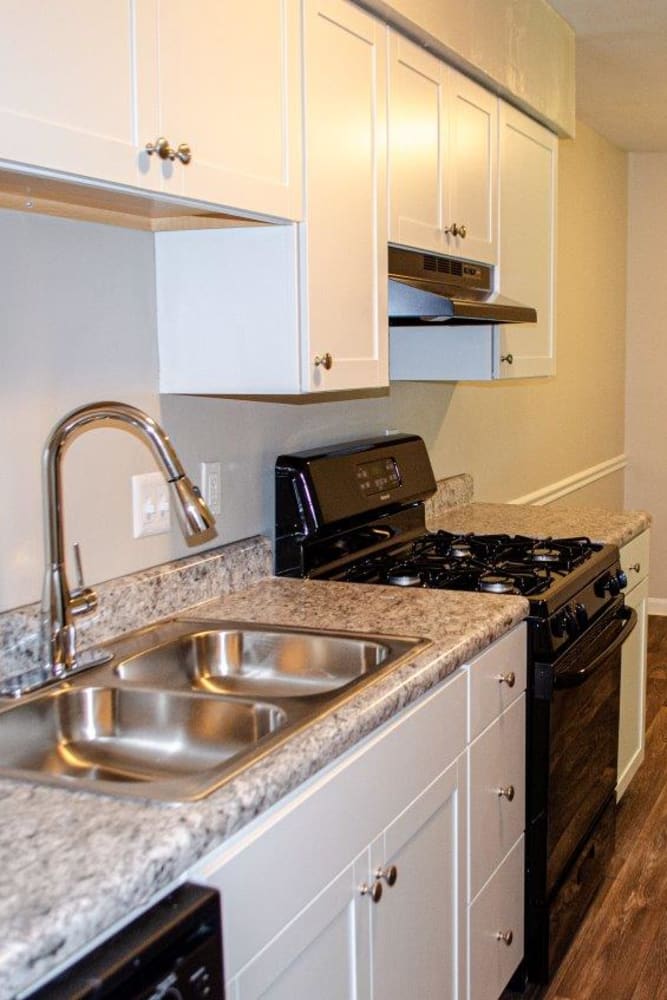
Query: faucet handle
(79, 567)
(83, 600)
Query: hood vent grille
(443, 265)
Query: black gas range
(355, 513)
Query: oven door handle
(624, 622)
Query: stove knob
(622, 578)
(571, 623)
(558, 625)
(581, 615)
(609, 585)
(565, 623)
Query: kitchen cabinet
(298, 885)
(67, 99)
(525, 272)
(496, 815)
(116, 76)
(632, 722)
(304, 308)
(298, 912)
(443, 147)
(526, 266)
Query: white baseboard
(657, 606)
(573, 483)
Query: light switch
(150, 505)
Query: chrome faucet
(60, 604)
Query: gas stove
(355, 513)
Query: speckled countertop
(73, 864)
(598, 524)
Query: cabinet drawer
(488, 696)
(497, 760)
(634, 559)
(274, 867)
(497, 910)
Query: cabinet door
(344, 240)
(632, 721)
(418, 925)
(472, 169)
(67, 99)
(495, 941)
(497, 792)
(228, 86)
(416, 146)
(528, 175)
(322, 953)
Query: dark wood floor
(620, 951)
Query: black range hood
(429, 288)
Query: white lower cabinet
(496, 815)
(356, 885)
(632, 722)
(495, 928)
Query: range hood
(429, 288)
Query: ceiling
(621, 56)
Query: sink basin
(186, 704)
(101, 735)
(256, 662)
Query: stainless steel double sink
(185, 705)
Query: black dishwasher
(173, 951)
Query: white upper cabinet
(527, 180)
(528, 184)
(67, 100)
(295, 309)
(344, 238)
(223, 78)
(443, 146)
(85, 86)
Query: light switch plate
(211, 486)
(150, 505)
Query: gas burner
(403, 576)
(542, 554)
(492, 583)
(460, 550)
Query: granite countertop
(73, 864)
(598, 524)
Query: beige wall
(77, 323)
(646, 402)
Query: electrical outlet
(150, 505)
(211, 486)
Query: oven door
(583, 737)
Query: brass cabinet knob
(506, 792)
(374, 890)
(505, 936)
(165, 151)
(508, 678)
(456, 230)
(389, 873)
(509, 358)
(636, 567)
(325, 361)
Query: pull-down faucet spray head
(60, 604)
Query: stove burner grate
(496, 564)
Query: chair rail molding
(547, 494)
